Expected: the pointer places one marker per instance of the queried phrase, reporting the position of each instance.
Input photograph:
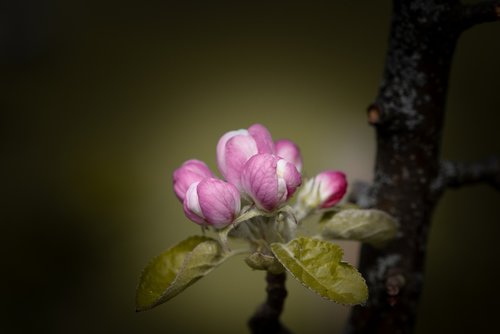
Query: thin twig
(482, 12)
(454, 174)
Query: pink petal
(333, 186)
(219, 201)
(191, 171)
(263, 138)
(291, 176)
(192, 208)
(221, 148)
(288, 150)
(238, 150)
(260, 182)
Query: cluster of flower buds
(256, 169)
(253, 166)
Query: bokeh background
(101, 100)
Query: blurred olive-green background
(101, 100)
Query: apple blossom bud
(236, 147)
(289, 151)
(323, 191)
(213, 202)
(269, 180)
(191, 171)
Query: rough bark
(266, 318)
(408, 116)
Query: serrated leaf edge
(311, 289)
(160, 300)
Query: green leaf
(317, 265)
(371, 226)
(176, 269)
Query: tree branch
(482, 12)
(455, 174)
(266, 317)
(408, 116)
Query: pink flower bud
(289, 151)
(269, 180)
(236, 147)
(324, 191)
(191, 171)
(213, 202)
